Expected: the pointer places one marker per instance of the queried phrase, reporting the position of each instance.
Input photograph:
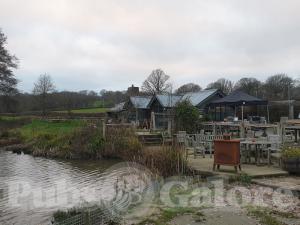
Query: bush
(187, 117)
(291, 152)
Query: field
(89, 110)
(38, 127)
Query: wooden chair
(189, 146)
(181, 137)
(167, 138)
(274, 151)
(199, 145)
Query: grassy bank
(89, 110)
(39, 128)
(7, 123)
(77, 139)
(70, 139)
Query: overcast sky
(110, 44)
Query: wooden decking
(204, 166)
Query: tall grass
(161, 160)
(122, 142)
(77, 139)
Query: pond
(32, 188)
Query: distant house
(117, 112)
(162, 105)
(139, 108)
(202, 99)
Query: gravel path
(216, 217)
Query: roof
(198, 97)
(168, 100)
(140, 102)
(195, 98)
(118, 107)
(239, 98)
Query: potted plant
(291, 159)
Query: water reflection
(47, 182)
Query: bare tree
(42, 88)
(279, 87)
(250, 85)
(190, 87)
(226, 86)
(157, 82)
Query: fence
(89, 217)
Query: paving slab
(289, 183)
(205, 166)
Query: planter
(291, 165)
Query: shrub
(187, 117)
(87, 214)
(291, 152)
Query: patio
(204, 166)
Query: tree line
(275, 87)
(45, 97)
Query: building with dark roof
(138, 109)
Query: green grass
(263, 215)
(11, 118)
(38, 127)
(89, 110)
(87, 213)
(166, 215)
(67, 139)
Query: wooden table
(262, 127)
(256, 143)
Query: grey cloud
(111, 44)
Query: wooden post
(103, 128)
(136, 118)
(268, 114)
(291, 110)
(215, 113)
(242, 113)
(169, 126)
(153, 121)
(242, 130)
(283, 121)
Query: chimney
(133, 91)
